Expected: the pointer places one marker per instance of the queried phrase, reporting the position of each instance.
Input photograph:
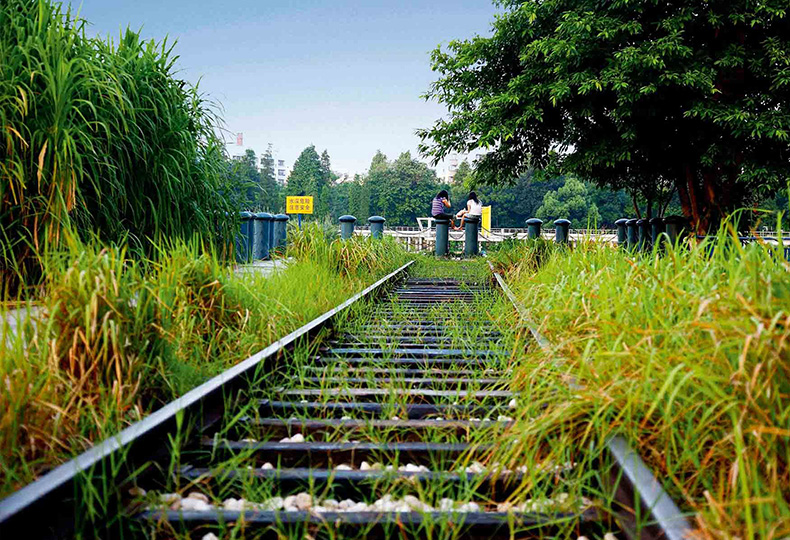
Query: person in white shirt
(474, 208)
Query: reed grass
(102, 137)
(116, 336)
(686, 353)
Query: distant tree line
(401, 190)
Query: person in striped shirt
(439, 206)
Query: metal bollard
(632, 234)
(533, 228)
(376, 226)
(347, 226)
(263, 222)
(674, 226)
(621, 232)
(442, 236)
(643, 230)
(561, 230)
(656, 228)
(280, 231)
(471, 228)
(245, 238)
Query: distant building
(452, 168)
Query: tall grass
(687, 354)
(118, 336)
(100, 136)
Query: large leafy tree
(636, 94)
(572, 201)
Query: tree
(572, 201)
(463, 174)
(270, 190)
(692, 93)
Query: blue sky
(345, 75)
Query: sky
(344, 75)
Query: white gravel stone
(137, 492)
(303, 501)
(198, 496)
(170, 498)
(249, 440)
(512, 404)
(582, 538)
(267, 466)
(194, 505)
(469, 507)
(395, 418)
(344, 467)
(275, 503)
(503, 418)
(210, 536)
(446, 505)
(345, 418)
(364, 466)
(291, 509)
(358, 507)
(609, 536)
(346, 504)
(330, 504)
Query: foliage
(572, 201)
(642, 94)
(685, 354)
(101, 137)
(114, 337)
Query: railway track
(398, 422)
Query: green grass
(686, 354)
(118, 336)
(100, 136)
(517, 445)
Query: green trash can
(347, 226)
(376, 226)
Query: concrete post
(562, 230)
(376, 226)
(471, 228)
(347, 226)
(533, 228)
(280, 231)
(674, 226)
(621, 232)
(263, 223)
(244, 242)
(656, 228)
(633, 235)
(442, 236)
(643, 228)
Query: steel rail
(45, 507)
(636, 488)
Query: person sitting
(439, 206)
(474, 208)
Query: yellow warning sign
(486, 220)
(299, 205)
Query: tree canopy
(643, 94)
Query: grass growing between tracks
(116, 337)
(686, 354)
(527, 470)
